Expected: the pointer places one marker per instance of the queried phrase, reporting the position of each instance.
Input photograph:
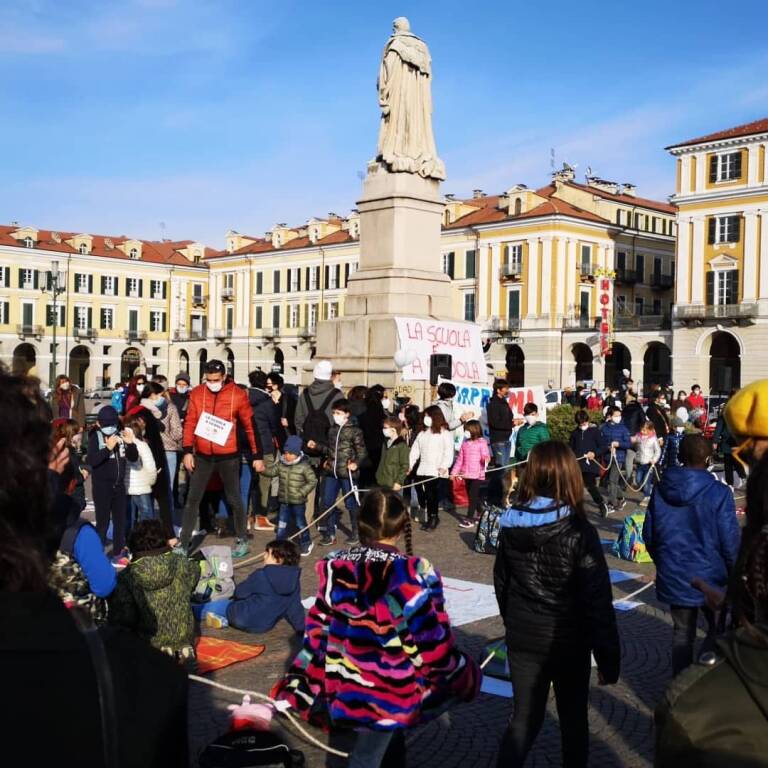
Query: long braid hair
(384, 516)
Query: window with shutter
(338, 275)
(732, 287)
(712, 227)
(6, 275)
(90, 317)
(276, 281)
(35, 279)
(276, 316)
(470, 266)
(640, 267)
(165, 290)
(327, 275)
(713, 165)
(5, 313)
(298, 278)
(141, 288)
(346, 275)
(259, 282)
(258, 317)
(513, 308)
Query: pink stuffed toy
(247, 715)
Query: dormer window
(133, 253)
(83, 248)
(29, 242)
(231, 246)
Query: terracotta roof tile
(265, 246)
(748, 129)
(644, 202)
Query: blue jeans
(142, 507)
(293, 513)
(331, 488)
(172, 459)
(370, 748)
(642, 471)
(501, 453)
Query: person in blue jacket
(616, 440)
(691, 532)
(271, 593)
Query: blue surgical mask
(161, 405)
(108, 431)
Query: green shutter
(165, 290)
(90, 317)
(712, 225)
(338, 275)
(514, 306)
(141, 288)
(732, 287)
(736, 173)
(90, 283)
(103, 285)
(306, 277)
(712, 169)
(165, 323)
(736, 229)
(327, 276)
(451, 264)
(710, 288)
(35, 279)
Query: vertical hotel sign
(605, 299)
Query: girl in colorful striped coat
(378, 655)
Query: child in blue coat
(271, 593)
(616, 441)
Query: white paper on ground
(496, 687)
(465, 601)
(627, 605)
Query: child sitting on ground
(268, 594)
(153, 593)
(296, 480)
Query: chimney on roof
(450, 196)
(566, 173)
(14, 223)
(477, 193)
(332, 215)
(604, 185)
(628, 189)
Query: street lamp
(55, 290)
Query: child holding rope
(616, 441)
(379, 655)
(648, 453)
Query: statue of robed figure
(406, 141)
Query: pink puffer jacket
(472, 459)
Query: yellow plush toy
(747, 411)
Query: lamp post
(55, 289)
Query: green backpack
(629, 543)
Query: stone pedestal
(399, 274)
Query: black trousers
(229, 472)
(685, 621)
(110, 500)
(473, 495)
(430, 495)
(531, 677)
(729, 464)
(590, 483)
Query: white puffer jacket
(140, 475)
(434, 453)
(648, 449)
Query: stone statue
(406, 142)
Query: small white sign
(210, 427)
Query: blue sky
(216, 114)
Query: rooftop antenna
(552, 159)
(361, 175)
(162, 231)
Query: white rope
(264, 697)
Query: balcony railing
(222, 334)
(140, 336)
(701, 313)
(661, 282)
(183, 335)
(227, 294)
(198, 300)
(641, 322)
(271, 333)
(626, 276)
(587, 271)
(581, 322)
(25, 330)
(308, 332)
(85, 333)
(512, 271)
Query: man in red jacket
(210, 445)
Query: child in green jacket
(394, 462)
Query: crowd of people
(378, 652)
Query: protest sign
(475, 399)
(210, 427)
(425, 337)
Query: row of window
(33, 279)
(298, 279)
(295, 315)
(84, 250)
(644, 221)
(83, 317)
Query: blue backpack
(629, 543)
(117, 401)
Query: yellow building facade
(721, 291)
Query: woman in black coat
(555, 597)
(587, 444)
(371, 422)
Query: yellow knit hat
(747, 411)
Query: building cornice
(719, 144)
(721, 195)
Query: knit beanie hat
(677, 422)
(747, 411)
(293, 444)
(323, 370)
(182, 377)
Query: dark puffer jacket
(584, 441)
(553, 587)
(296, 480)
(344, 444)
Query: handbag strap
(104, 684)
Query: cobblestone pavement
(468, 735)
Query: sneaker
(241, 548)
(467, 523)
(621, 505)
(261, 523)
(608, 509)
(215, 621)
(120, 562)
(306, 550)
(327, 541)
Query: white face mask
(340, 419)
(616, 419)
(214, 386)
(679, 430)
(181, 388)
(531, 418)
(386, 403)
(389, 433)
(64, 385)
(339, 385)
(583, 427)
(427, 421)
(467, 435)
(401, 416)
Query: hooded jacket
(472, 460)
(394, 463)
(318, 392)
(230, 404)
(552, 585)
(378, 649)
(690, 530)
(266, 596)
(527, 436)
(345, 443)
(716, 716)
(296, 480)
(152, 598)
